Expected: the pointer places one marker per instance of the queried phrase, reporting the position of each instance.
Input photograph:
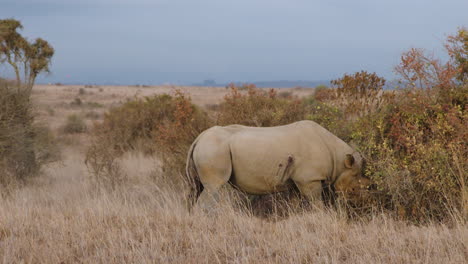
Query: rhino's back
(264, 159)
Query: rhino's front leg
(312, 190)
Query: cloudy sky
(187, 41)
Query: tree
(31, 58)
(457, 48)
(420, 69)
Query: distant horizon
(292, 83)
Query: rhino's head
(351, 179)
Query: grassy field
(63, 216)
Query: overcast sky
(187, 41)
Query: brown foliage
(359, 94)
(324, 93)
(258, 107)
(416, 153)
(418, 69)
(457, 48)
(421, 70)
(163, 125)
(74, 124)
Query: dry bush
(323, 93)
(259, 108)
(416, 153)
(414, 141)
(285, 94)
(74, 125)
(76, 102)
(359, 94)
(24, 145)
(162, 125)
(416, 145)
(173, 137)
(94, 105)
(327, 115)
(92, 115)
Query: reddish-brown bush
(163, 125)
(323, 93)
(416, 153)
(258, 107)
(359, 94)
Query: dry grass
(63, 218)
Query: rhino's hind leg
(213, 162)
(208, 201)
(209, 198)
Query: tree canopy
(26, 58)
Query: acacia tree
(31, 58)
(23, 145)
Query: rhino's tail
(193, 178)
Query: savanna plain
(77, 210)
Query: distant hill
(270, 84)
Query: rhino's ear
(349, 161)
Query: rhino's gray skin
(261, 160)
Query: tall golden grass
(62, 217)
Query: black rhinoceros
(261, 160)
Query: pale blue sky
(187, 41)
